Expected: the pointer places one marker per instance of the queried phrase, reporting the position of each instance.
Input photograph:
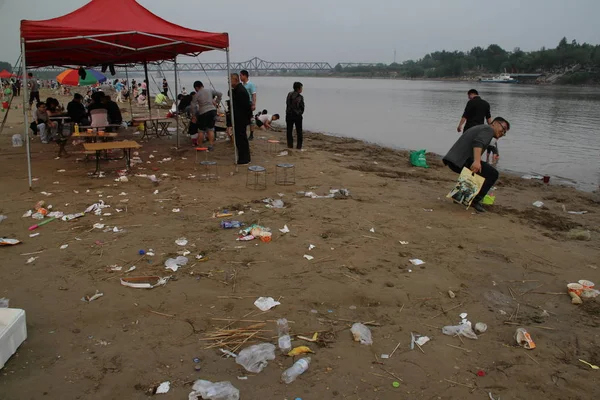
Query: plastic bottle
(299, 367)
(285, 342)
(17, 140)
(77, 129)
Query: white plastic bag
(213, 391)
(17, 140)
(460, 330)
(361, 334)
(255, 358)
(174, 263)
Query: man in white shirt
(264, 120)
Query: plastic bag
(255, 358)
(467, 187)
(460, 330)
(361, 334)
(214, 391)
(418, 159)
(17, 140)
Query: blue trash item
(231, 224)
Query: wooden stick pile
(234, 338)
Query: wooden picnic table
(125, 145)
(158, 124)
(95, 136)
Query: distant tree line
(5, 66)
(582, 60)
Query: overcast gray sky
(349, 30)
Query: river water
(554, 129)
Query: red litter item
(481, 373)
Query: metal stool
(285, 174)
(258, 180)
(273, 146)
(211, 171)
(200, 150)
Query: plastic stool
(256, 177)
(200, 150)
(285, 174)
(273, 147)
(211, 171)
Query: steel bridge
(255, 64)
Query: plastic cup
(575, 288)
(587, 285)
(546, 179)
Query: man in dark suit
(242, 113)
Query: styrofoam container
(13, 332)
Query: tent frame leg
(175, 100)
(25, 90)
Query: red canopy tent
(117, 32)
(4, 74)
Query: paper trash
(266, 303)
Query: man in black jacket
(76, 110)
(242, 112)
(476, 112)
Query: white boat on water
(503, 78)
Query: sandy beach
(507, 268)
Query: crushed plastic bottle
(460, 330)
(299, 367)
(231, 224)
(213, 391)
(361, 334)
(255, 358)
(285, 342)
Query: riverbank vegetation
(568, 63)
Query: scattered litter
(27, 214)
(403, 242)
(181, 241)
(115, 268)
(266, 303)
(481, 373)
(529, 177)
(592, 366)
(428, 209)
(116, 230)
(176, 210)
(451, 294)
(421, 340)
(524, 339)
(289, 375)
(4, 302)
(333, 194)
(256, 231)
(8, 242)
(228, 353)
(98, 225)
(311, 246)
(579, 234)
(296, 351)
(71, 217)
(463, 315)
(214, 391)
(61, 170)
(256, 357)
(163, 388)
(285, 229)
(3, 217)
(175, 263)
(64, 246)
(480, 327)
(384, 356)
(242, 378)
(462, 329)
(308, 257)
(416, 261)
(283, 153)
(361, 333)
(89, 299)
(144, 282)
(396, 384)
(231, 224)
(46, 193)
(31, 259)
(372, 230)
(274, 203)
(132, 268)
(34, 234)
(538, 204)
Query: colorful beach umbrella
(71, 77)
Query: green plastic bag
(417, 158)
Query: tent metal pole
(130, 89)
(175, 100)
(25, 91)
(231, 107)
(147, 89)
